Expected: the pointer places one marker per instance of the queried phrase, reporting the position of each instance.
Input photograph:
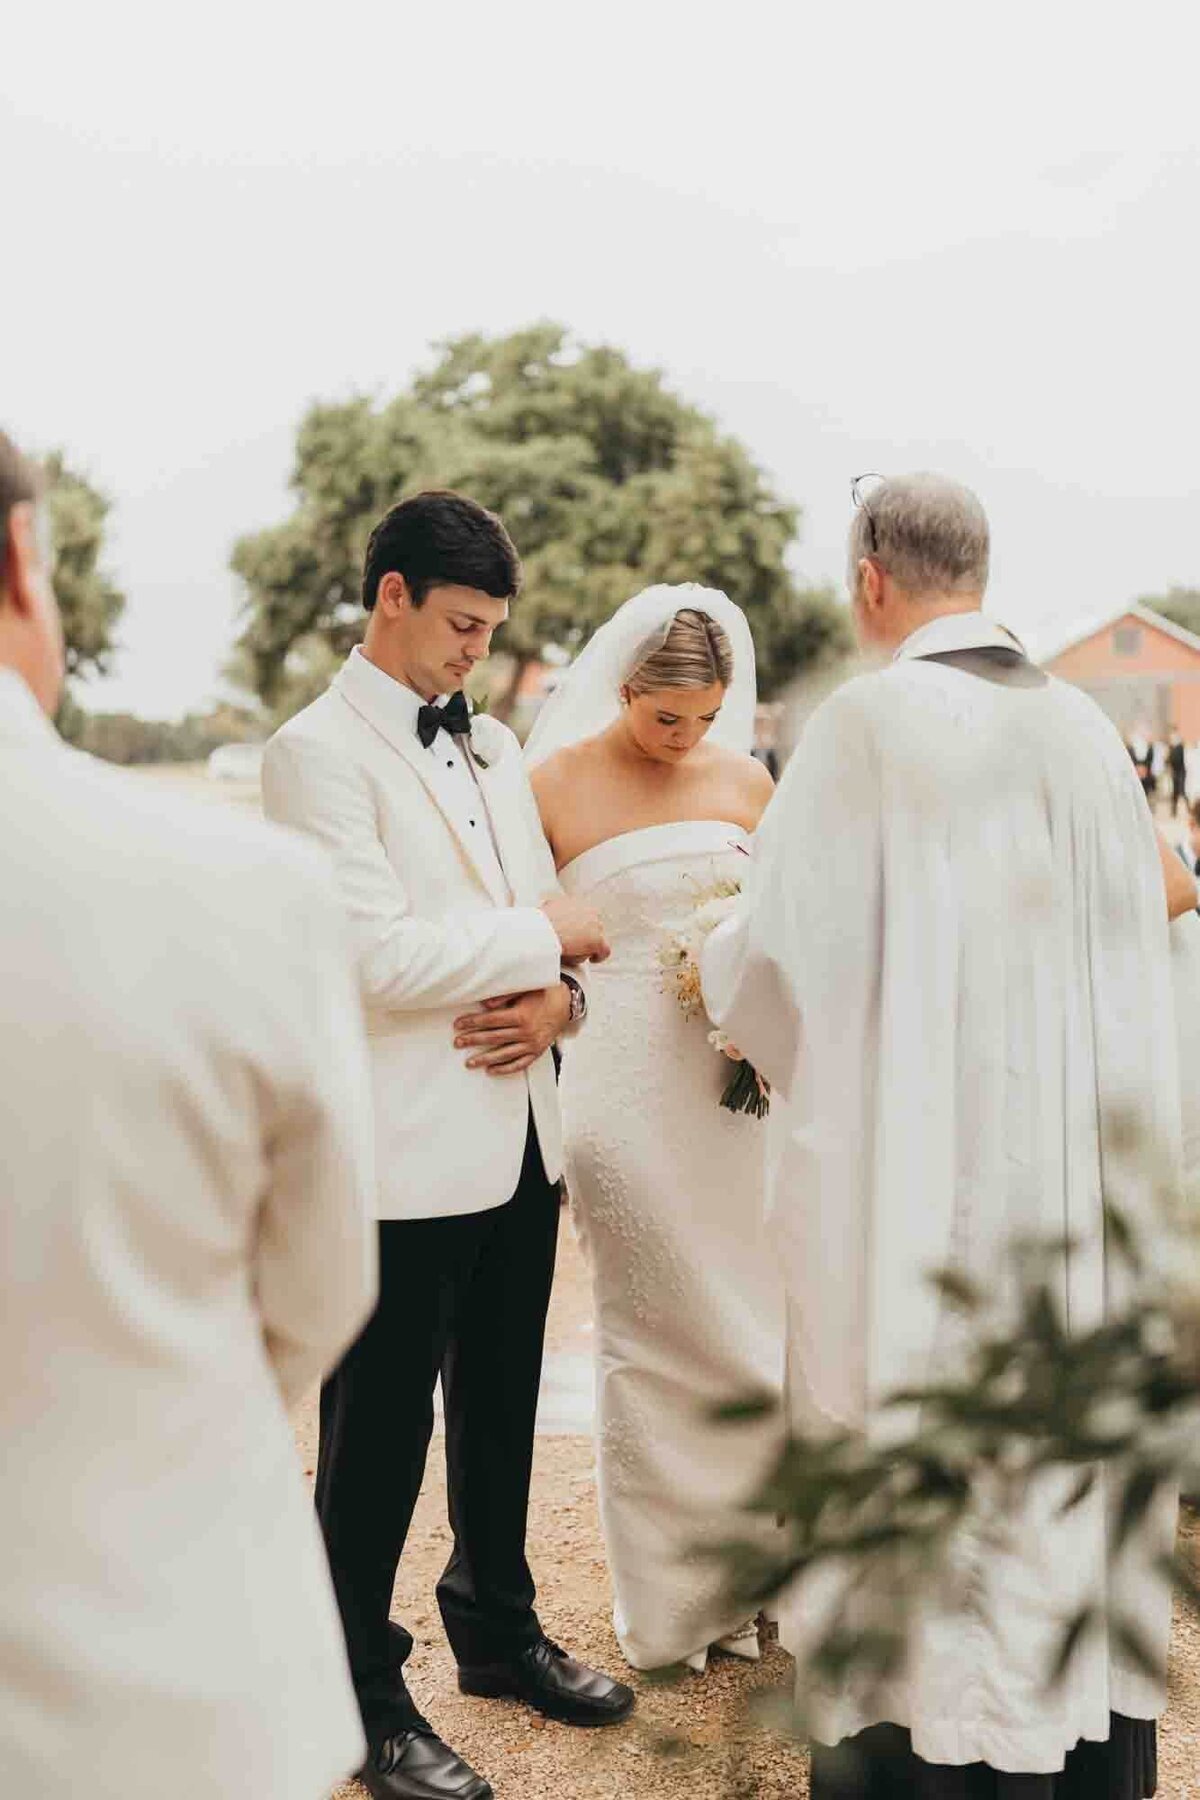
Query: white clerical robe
(952, 963)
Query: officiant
(951, 961)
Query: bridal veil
(588, 698)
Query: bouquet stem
(747, 1093)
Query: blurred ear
(22, 559)
(35, 632)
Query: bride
(640, 763)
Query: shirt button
(472, 823)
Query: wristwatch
(578, 999)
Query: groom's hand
(511, 1033)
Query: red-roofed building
(1141, 668)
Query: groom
(452, 900)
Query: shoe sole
(483, 1686)
(482, 1792)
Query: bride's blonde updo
(695, 653)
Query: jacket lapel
(508, 822)
(361, 697)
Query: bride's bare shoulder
(564, 769)
(743, 774)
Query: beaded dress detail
(667, 1193)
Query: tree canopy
(89, 601)
(607, 480)
(1179, 604)
(124, 738)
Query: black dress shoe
(553, 1683)
(414, 1764)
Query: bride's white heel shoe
(743, 1642)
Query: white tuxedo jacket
(435, 931)
(184, 1247)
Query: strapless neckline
(674, 837)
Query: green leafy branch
(1029, 1400)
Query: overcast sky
(865, 237)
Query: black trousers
(466, 1298)
(879, 1764)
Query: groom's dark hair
(441, 539)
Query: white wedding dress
(667, 1193)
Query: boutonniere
(488, 740)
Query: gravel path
(691, 1740)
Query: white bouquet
(746, 1092)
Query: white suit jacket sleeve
(315, 1252)
(814, 864)
(403, 962)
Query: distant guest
(1193, 859)
(765, 748)
(1141, 749)
(1177, 763)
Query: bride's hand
(509, 1035)
(579, 927)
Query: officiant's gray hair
(930, 534)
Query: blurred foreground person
(184, 1144)
(953, 961)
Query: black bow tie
(454, 717)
